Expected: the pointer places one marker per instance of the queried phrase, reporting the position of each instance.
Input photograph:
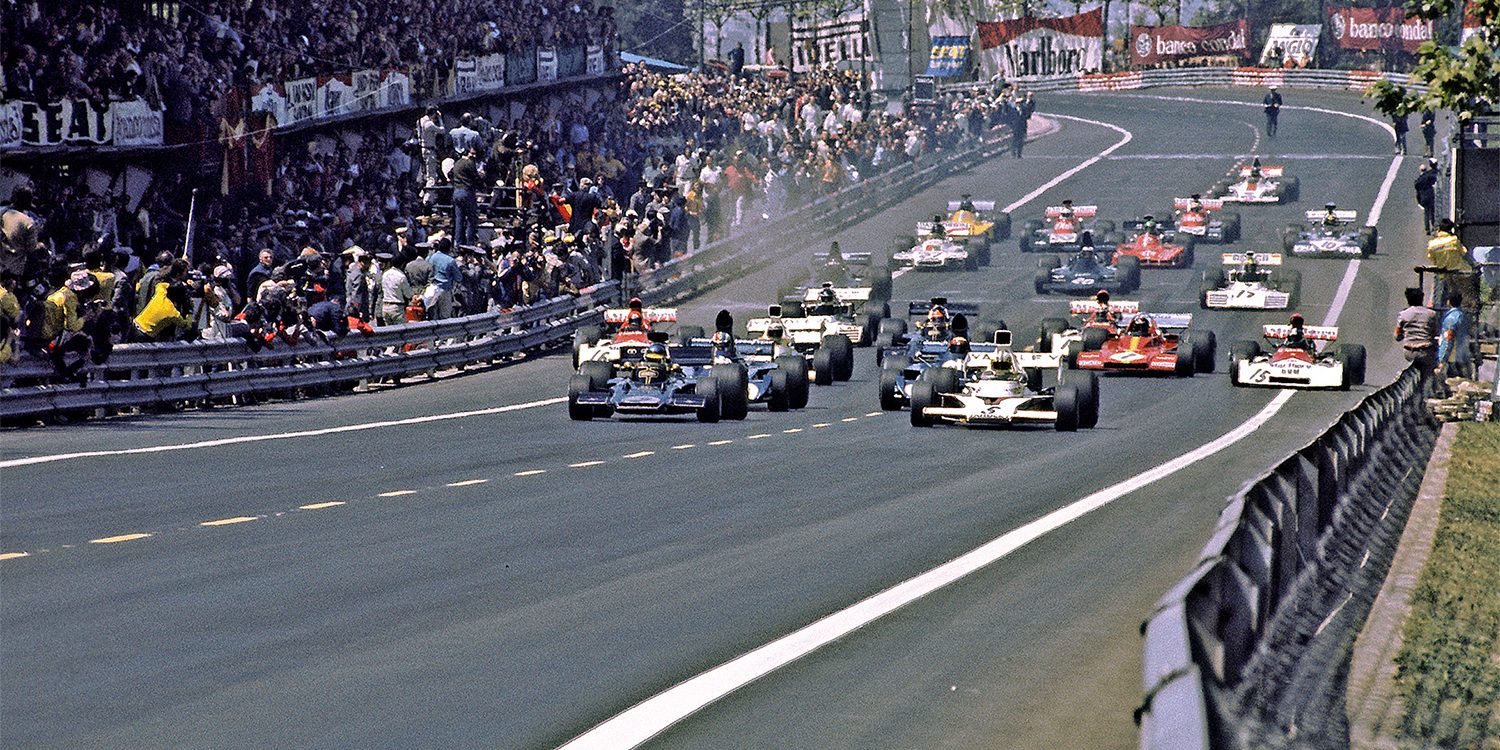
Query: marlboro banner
(1034, 47)
(1155, 44)
(1377, 28)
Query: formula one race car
(942, 332)
(1155, 244)
(1206, 219)
(1333, 234)
(654, 385)
(767, 373)
(934, 251)
(975, 224)
(1257, 184)
(1243, 284)
(1294, 362)
(1152, 343)
(830, 310)
(1062, 227)
(627, 326)
(830, 355)
(1085, 272)
(1097, 323)
(842, 269)
(995, 386)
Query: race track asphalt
(519, 611)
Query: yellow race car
(973, 223)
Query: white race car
(995, 386)
(1242, 284)
(1206, 219)
(829, 351)
(835, 310)
(1256, 184)
(1294, 363)
(605, 343)
(932, 252)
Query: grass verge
(1448, 670)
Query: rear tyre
(1068, 401)
(685, 334)
(1070, 355)
(1183, 366)
(1352, 357)
(1050, 327)
(1188, 245)
(1205, 346)
(585, 336)
(1290, 235)
(778, 399)
(1094, 338)
(843, 355)
(1103, 227)
(577, 386)
(798, 389)
(1128, 271)
(1040, 280)
(890, 385)
(822, 366)
(880, 285)
(890, 328)
(923, 395)
(598, 374)
(1230, 223)
(1049, 262)
(943, 379)
(1367, 241)
(734, 386)
(709, 411)
(1241, 351)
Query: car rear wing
(1175, 321)
(1166, 224)
(651, 314)
(918, 308)
(858, 258)
(1209, 204)
(978, 205)
(761, 325)
(1313, 333)
(950, 228)
(1344, 216)
(1082, 212)
(692, 354)
(1238, 259)
(1089, 307)
(1038, 360)
(844, 293)
(1264, 171)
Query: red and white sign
(1154, 44)
(1026, 48)
(1471, 23)
(1377, 28)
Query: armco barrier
(1249, 650)
(1297, 78)
(146, 374)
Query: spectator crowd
(506, 204)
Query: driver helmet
(827, 296)
(958, 345)
(1002, 365)
(635, 303)
(1150, 224)
(656, 354)
(937, 227)
(1140, 326)
(775, 331)
(635, 319)
(1102, 297)
(1296, 322)
(835, 254)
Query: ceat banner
(1025, 48)
(949, 54)
(1377, 28)
(1154, 44)
(1291, 41)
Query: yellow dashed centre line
(118, 539)
(721, 442)
(467, 483)
(758, 436)
(397, 493)
(320, 506)
(821, 425)
(684, 446)
(229, 521)
(793, 430)
(584, 464)
(531, 472)
(850, 419)
(640, 454)
(13, 555)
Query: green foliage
(1448, 670)
(1454, 81)
(659, 28)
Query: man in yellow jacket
(1446, 253)
(163, 318)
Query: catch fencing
(144, 375)
(1250, 650)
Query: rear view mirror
(1002, 338)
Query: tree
(1467, 82)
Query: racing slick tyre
(1293, 286)
(1229, 223)
(585, 336)
(867, 332)
(880, 285)
(890, 328)
(1355, 362)
(943, 379)
(1241, 351)
(709, 389)
(1040, 280)
(1070, 355)
(984, 252)
(822, 366)
(1088, 388)
(1204, 289)
(1290, 190)
(1034, 380)
(792, 309)
(890, 383)
(1050, 327)
(1068, 401)
(1094, 338)
(923, 395)
(1188, 244)
(598, 374)
(1128, 271)
(1024, 242)
(1049, 262)
(685, 334)
(1001, 220)
(795, 366)
(1182, 365)
(1367, 238)
(1204, 346)
(734, 387)
(843, 355)
(778, 399)
(1103, 227)
(577, 386)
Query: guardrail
(138, 375)
(1249, 650)
(1292, 78)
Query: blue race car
(1086, 272)
(906, 357)
(656, 383)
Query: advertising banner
(1291, 41)
(949, 56)
(1377, 28)
(1155, 44)
(335, 96)
(301, 100)
(65, 123)
(269, 98)
(845, 39)
(136, 124)
(490, 72)
(1471, 23)
(395, 89)
(465, 76)
(596, 60)
(546, 64)
(10, 125)
(366, 90)
(1026, 48)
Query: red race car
(1155, 245)
(1152, 344)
